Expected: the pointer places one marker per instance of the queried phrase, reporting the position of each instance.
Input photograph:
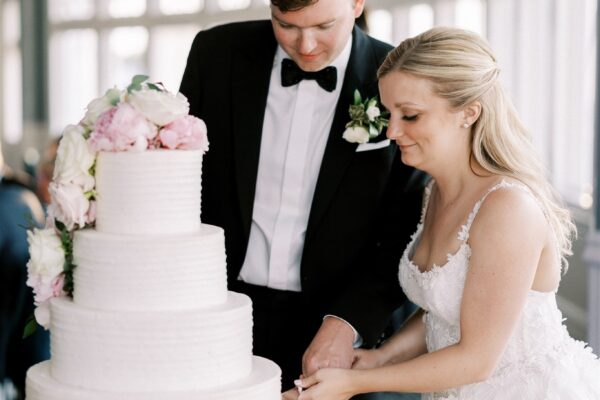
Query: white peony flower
(373, 112)
(159, 107)
(68, 204)
(99, 105)
(356, 134)
(74, 159)
(47, 256)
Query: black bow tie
(291, 74)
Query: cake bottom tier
(263, 383)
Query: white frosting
(151, 317)
(151, 351)
(145, 273)
(262, 384)
(151, 192)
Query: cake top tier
(148, 193)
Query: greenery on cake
(142, 117)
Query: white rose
(99, 105)
(160, 107)
(356, 134)
(373, 112)
(74, 159)
(68, 204)
(47, 256)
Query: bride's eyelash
(410, 117)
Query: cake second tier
(146, 351)
(145, 273)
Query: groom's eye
(410, 117)
(326, 26)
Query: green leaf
(60, 226)
(136, 83)
(154, 87)
(139, 79)
(372, 102)
(30, 327)
(92, 170)
(373, 132)
(114, 96)
(357, 98)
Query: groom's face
(315, 35)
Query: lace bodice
(539, 341)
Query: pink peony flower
(187, 132)
(122, 128)
(44, 290)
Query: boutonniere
(366, 120)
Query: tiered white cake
(151, 317)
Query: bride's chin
(408, 160)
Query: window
(11, 114)
(97, 44)
(547, 54)
(546, 50)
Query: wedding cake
(150, 316)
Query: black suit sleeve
(374, 291)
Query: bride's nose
(394, 130)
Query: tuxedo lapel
(360, 73)
(250, 87)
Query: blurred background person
(19, 210)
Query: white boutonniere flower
(366, 120)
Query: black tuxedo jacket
(365, 206)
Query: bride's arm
(506, 240)
(406, 343)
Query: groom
(314, 225)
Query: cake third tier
(158, 350)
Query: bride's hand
(327, 383)
(291, 394)
(367, 359)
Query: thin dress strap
(463, 233)
(426, 196)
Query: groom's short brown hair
(292, 5)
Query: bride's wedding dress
(541, 360)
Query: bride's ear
(471, 113)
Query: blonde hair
(463, 69)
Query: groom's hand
(330, 348)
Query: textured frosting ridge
(182, 350)
(151, 192)
(144, 273)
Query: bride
(485, 262)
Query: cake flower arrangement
(144, 116)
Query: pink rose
(122, 128)
(44, 290)
(68, 204)
(187, 133)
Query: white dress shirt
(296, 128)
